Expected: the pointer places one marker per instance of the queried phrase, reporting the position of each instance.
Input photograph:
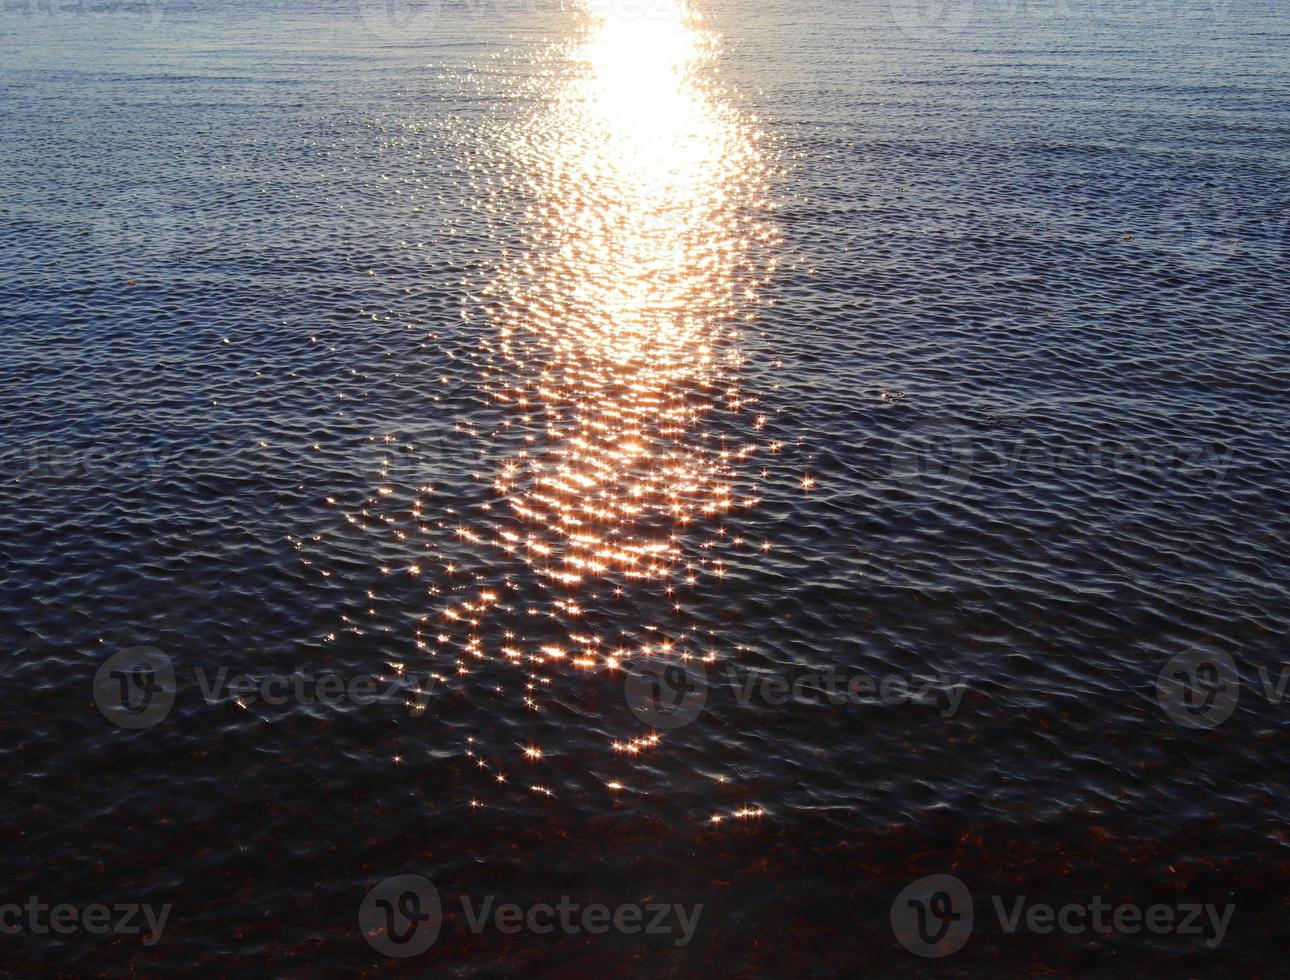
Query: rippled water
(758, 455)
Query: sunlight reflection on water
(614, 343)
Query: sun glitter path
(613, 354)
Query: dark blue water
(513, 367)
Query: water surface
(520, 351)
